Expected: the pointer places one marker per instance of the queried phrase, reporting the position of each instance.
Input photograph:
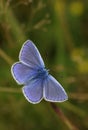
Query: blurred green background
(59, 29)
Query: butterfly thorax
(42, 73)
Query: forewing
(53, 91)
(33, 92)
(30, 55)
(22, 73)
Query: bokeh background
(59, 29)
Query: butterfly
(38, 84)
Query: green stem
(73, 108)
(79, 96)
(6, 57)
(10, 90)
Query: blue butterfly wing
(22, 73)
(30, 55)
(33, 91)
(53, 91)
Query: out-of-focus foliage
(60, 31)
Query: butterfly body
(31, 72)
(42, 73)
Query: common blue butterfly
(38, 83)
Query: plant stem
(10, 90)
(61, 115)
(6, 57)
